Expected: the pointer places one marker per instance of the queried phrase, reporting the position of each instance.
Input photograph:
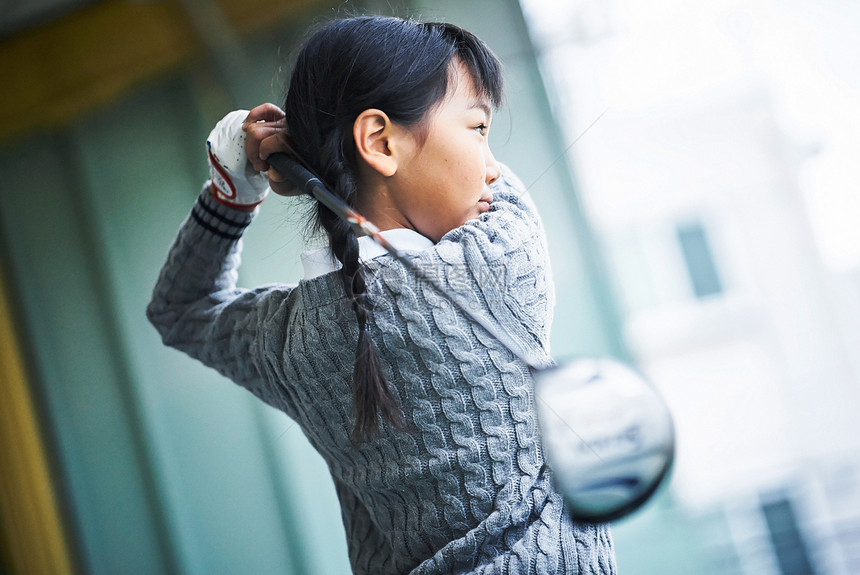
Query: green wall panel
(84, 385)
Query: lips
(484, 203)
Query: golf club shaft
(307, 182)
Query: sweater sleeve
(197, 308)
(498, 264)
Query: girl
(427, 424)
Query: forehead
(462, 90)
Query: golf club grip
(296, 173)
(308, 183)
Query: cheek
(467, 162)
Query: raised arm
(196, 306)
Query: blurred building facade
(695, 180)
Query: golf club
(606, 432)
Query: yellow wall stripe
(86, 59)
(60, 70)
(31, 525)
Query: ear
(374, 134)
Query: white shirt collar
(320, 261)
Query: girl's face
(443, 181)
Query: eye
(481, 129)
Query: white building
(741, 303)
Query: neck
(375, 204)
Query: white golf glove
(234, 180)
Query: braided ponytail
(401, 67)
(371, 395)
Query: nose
(494, 170)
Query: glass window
(787, 540)
(700, 263)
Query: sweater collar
(320, 261)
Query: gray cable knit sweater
(465, 488)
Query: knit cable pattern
(464, 489)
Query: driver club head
(607, 435)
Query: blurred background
(696, 165)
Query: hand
(266, 133)
(235, 182)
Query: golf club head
(607, 435)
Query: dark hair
(401, 67)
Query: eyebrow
(481, 105)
